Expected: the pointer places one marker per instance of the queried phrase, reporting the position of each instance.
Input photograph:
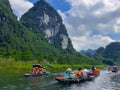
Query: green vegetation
(13, 67)
(19, 42)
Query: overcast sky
(90, 23)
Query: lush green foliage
(17, 41)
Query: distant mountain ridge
(89, 52)
(110, 54)
(112, 51)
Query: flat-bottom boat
(72, 80)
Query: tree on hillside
(27, 55)
(40, 57)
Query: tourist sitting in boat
(33, 71)
(69, 74)
(85, 74)
(78, 73)
(96, 71)
(114, 69)
(37, 69)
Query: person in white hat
(69, 69)
(68, 72)
(85, 73)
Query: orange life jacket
(77, 73)
(40, 69)
(96, 71)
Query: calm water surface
(106, 81)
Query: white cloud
(107, 7)
(90, 42)
(87, 3)
(92, 23)
(117, 26)
(20, 6)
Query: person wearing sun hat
(69, 69)
(67, 74)
(85, 73)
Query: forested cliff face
(43, 17)
(18, 41)
(11, 31)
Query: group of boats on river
(70, 76)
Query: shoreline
(10, 66)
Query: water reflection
(36, 79)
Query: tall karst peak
(43, 18)
(16, 39)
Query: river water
(106, 81)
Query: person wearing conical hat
(68, 69)
(85, 75)
(67, 74)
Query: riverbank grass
(11, 66)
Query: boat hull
(71, 80)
